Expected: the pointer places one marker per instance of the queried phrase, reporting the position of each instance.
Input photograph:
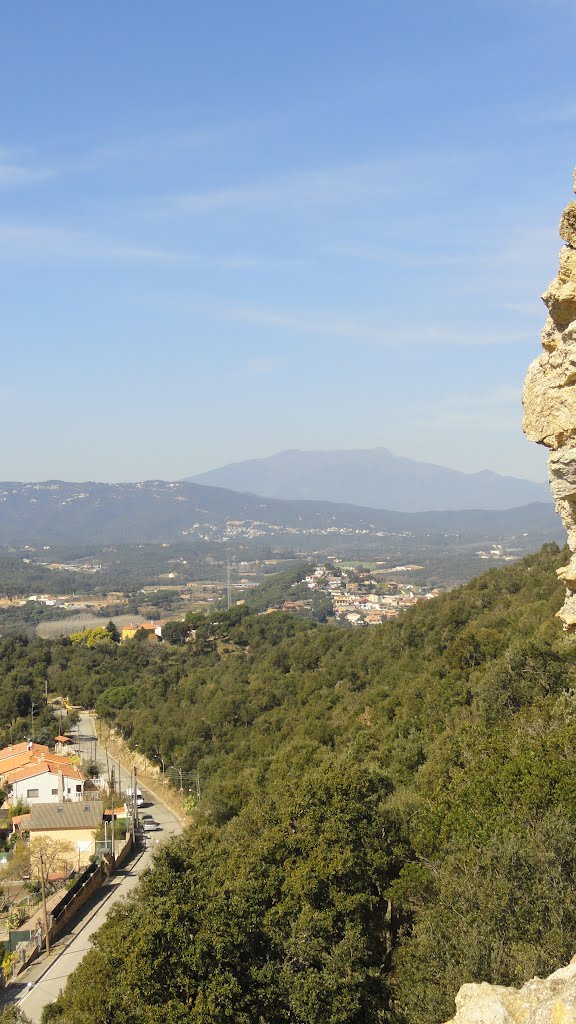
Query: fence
(16, 937)
(84, 887)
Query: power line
(189, 780)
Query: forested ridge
(386, 813)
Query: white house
(45, 783)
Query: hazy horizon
(272, 455)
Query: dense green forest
(386, 813)
(288, 586)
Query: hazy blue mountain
(373, 478)
(156, 510)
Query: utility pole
(135, 797)
(113, 801)
(228, 587)
(32, 706)
(133, 823)
(44, 911)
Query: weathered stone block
(562, 472)
(561, 301)
(551, 336)
(568, 224)
(549, 406)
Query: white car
(149, 825)
(139, 797)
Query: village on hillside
(363, 596)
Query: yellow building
(129, 631)
(74, 823)
(153, 629)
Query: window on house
(32, 794)
(78, 789)
(54, 792)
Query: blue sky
(230, 229)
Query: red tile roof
(19, 748)
(31, 770)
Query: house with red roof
(26, 747)
(47, 781)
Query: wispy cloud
(37, 243)
(559, 115)
(530, 309)
(393, 256)
(17, 170)
(144, 149)
(494, 410)
(33, 243)
(262, 366)
(358, 329)
(498, 397)
(342, 183)
(15, 173)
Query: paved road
(48, 976)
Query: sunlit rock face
(550, 398)
(541, 1001)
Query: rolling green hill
(385, 814)
(55, 512)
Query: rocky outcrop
(541, 1001)
(550, 398)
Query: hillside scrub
(386, 813)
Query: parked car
(149, 824)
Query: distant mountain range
(54, 512)
(373, 478)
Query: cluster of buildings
(363, 599)
(254, 529)
(500, 553)
(68, 602)
(59, 803)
